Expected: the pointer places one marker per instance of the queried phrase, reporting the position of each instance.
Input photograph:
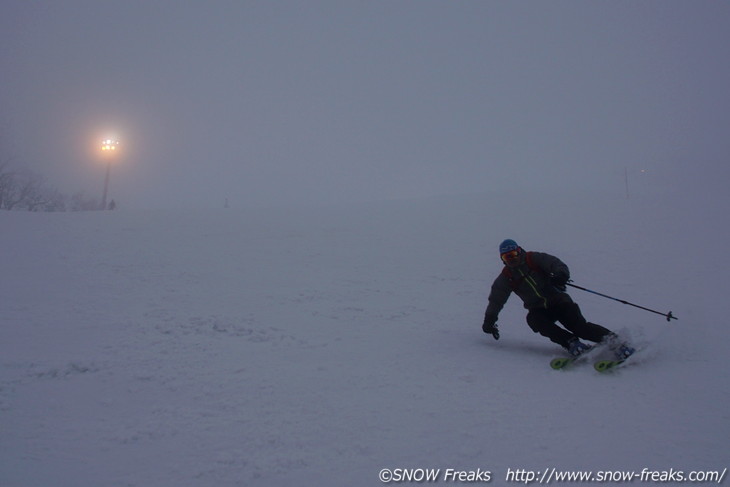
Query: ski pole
(669, 316)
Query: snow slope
(318, 346)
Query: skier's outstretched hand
(490, 327)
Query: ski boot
(624, 351)
(620, 348)
(576, 348)
(621, 352)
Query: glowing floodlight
(109, 145)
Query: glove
(559, 280)
(490, 326)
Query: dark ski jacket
(530, 281)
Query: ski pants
(542, 321)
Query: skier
(539, 279)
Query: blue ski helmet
(507, 246)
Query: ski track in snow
(318, 346)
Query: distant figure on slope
(539, 279)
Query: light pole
(109, 148)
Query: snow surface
(317, 346)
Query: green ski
(561, 362)
(606, 365)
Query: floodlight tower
(109, 150)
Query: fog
(290, 102)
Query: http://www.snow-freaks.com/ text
(548, 476)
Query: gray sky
(320, 101)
